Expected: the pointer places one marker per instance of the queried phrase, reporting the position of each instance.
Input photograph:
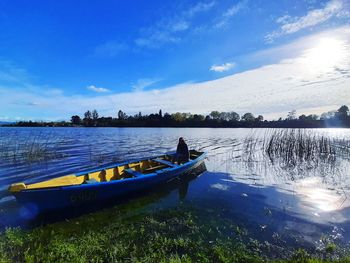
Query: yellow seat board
(56, 182)
(99, 176)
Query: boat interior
(129, 170)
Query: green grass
(171, 235)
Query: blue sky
(59, 58)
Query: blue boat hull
(42, 200)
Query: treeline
(338, 118)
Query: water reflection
(290, 205)
(272, 215)
(316, 194)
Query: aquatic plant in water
(36, 147)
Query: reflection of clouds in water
(318, 198)
(273, 215)
(248, 160)
(318, 188)
(220, 186)
(277, 200)
(306, 231)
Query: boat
(104, 183)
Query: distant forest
(216, 119)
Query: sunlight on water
(336, 132)
(315, 194)
(301, 197)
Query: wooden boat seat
(133, 172)
(91, 181)
(154, 168)
(60, 181)
(165, 162)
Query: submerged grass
(172, 235)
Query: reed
(292, 147)
(30, 148)
(298, 146)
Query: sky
(62, 58)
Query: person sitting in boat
(182, 154)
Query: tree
(153, 116)
(167, 116)
(94, 115)
(248, 117)
(87, 118)
(178, 116)
(75, 120)
(302, 117)
(223, 116)
(215, 115)
(233, 116)
(291, 115)
(160, 114)
(343, 110)
(260, 118)
(198, 117)
(226, 116)
(138, 116)
(312, 117)
(328, 115)
(87, 115)
(122, 115)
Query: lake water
(304, 205)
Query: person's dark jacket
(182, 151)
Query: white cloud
(171, 30)
(141, 84)
(12, 74)
(222, 68)
(313, 17)
(97, 89)
(314, 80)
(229, 13)
(289, 25)
(199, 8)
(25, 103)
(156, 39)
(54, 92)
(180, 26)
(233, 10)
(110, 49)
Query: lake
(303, 204)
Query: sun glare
(317, 197)
(327, 54)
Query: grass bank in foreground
(172, 235)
